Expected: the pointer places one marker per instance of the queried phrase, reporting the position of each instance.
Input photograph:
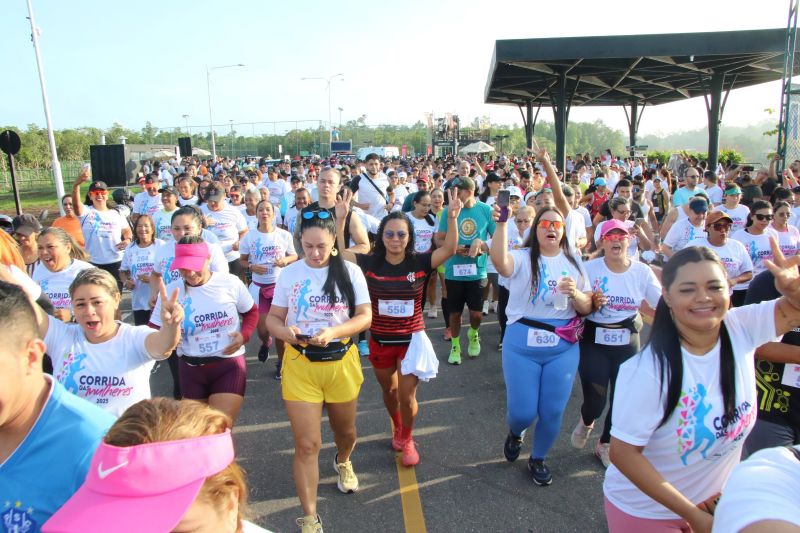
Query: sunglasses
(321, 214)
(721, 226)
(547, 224)
(387, 234)
(764, 217)
(615, 237)
(99, 193)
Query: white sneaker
(601, 452)
(432, 312)
(493, 307)
(310, 524)
(485, 307)
(580, 434)
(347, 482)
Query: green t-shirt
(473, 223)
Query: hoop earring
(334, 252)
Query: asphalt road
(463, 482)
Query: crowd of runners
(333, 261)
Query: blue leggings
(538, 384)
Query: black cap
(98, 186)
(170, 189)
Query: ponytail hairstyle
(757, 205)
(191, 211)
(665, 340)
(338, 276)
(76, 251)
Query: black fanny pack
(318, 354)
(632, 323)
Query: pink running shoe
(410, 455)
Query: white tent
(479, 147)
(200, 151)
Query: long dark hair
(337, 271)
(665, 340)
(380, 248)
(533, 243)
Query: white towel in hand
(420, 358)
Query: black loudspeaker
(185, 145)
(108, 164)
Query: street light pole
(186, 118)
(210, 114)
(57, 177)
(328, 81)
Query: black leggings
(113, 269)
(501, 310)
(141, 317)
(598, 368)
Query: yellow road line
(413, 517)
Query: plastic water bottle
(562, 301)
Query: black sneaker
(512, 447)
(539, 472)
(278, 373)
(263, 353)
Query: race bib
(209, 344)
(312, 327)
(791, 376)
(539, 338)
(398, 308)
(463, 270)
(612, 336)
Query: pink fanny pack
(571, 332)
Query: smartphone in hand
(503, 199)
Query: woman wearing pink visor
(211, 367)
(163, 466)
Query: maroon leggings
(200, 382)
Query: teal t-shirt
(473, 223)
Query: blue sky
(130, 62)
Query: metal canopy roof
(620, 69)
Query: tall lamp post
(328, 81)
(59, 180)
(210, 115)
(186, 119)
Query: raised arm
(559, 199)
(787, 281)
(503, 263)
(77, 201)
(160, 343)
(342, 210)
(448, 249)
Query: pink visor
(148, 487)
(190, 256)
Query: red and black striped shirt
(395, 283)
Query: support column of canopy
(633, 119)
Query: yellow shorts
(329, 381)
